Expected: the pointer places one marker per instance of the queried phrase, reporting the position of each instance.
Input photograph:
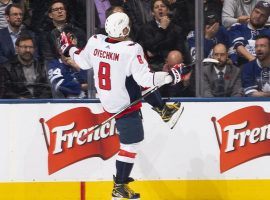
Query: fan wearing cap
(260, 15)
(243, 35)
(119, 70)
(238, 11)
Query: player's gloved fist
(178, 72)
(65, 43)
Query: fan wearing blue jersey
(119, 70)
(243, 36)
(65, 80)
(256, 74)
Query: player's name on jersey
(106, 54)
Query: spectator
(14, 16)
(75, 8)
(237, 11)
(256, 74)
(66, 81)
(214, 33)
(242, 36)
(185, 88)
(222, 79)
(160, 36)
(59, 21)
(3, 5)
(25, 77)
(140, 13)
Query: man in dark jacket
(59, 20)
(23, 76)
(8, 35)
(160, 36)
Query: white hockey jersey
(119, 69)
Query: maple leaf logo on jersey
(140, 59)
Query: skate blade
(121, 198)
(173, 121)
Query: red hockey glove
(65, 43)
(178, 72)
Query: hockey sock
(155, 100)
(123, 170)
(125, 161)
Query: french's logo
(66, 144)
(242, 135)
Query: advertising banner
(212, 140)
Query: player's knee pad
(128, 152)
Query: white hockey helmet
(116, 23)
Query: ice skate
(170, 113)
(123, 192)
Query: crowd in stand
(236, 38)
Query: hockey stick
(210, 60)
(175, 119)
(146, 93)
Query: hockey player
(119, 71)
(169, 113)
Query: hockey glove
(65, 43)
(178, 72)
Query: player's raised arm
(142, 75)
